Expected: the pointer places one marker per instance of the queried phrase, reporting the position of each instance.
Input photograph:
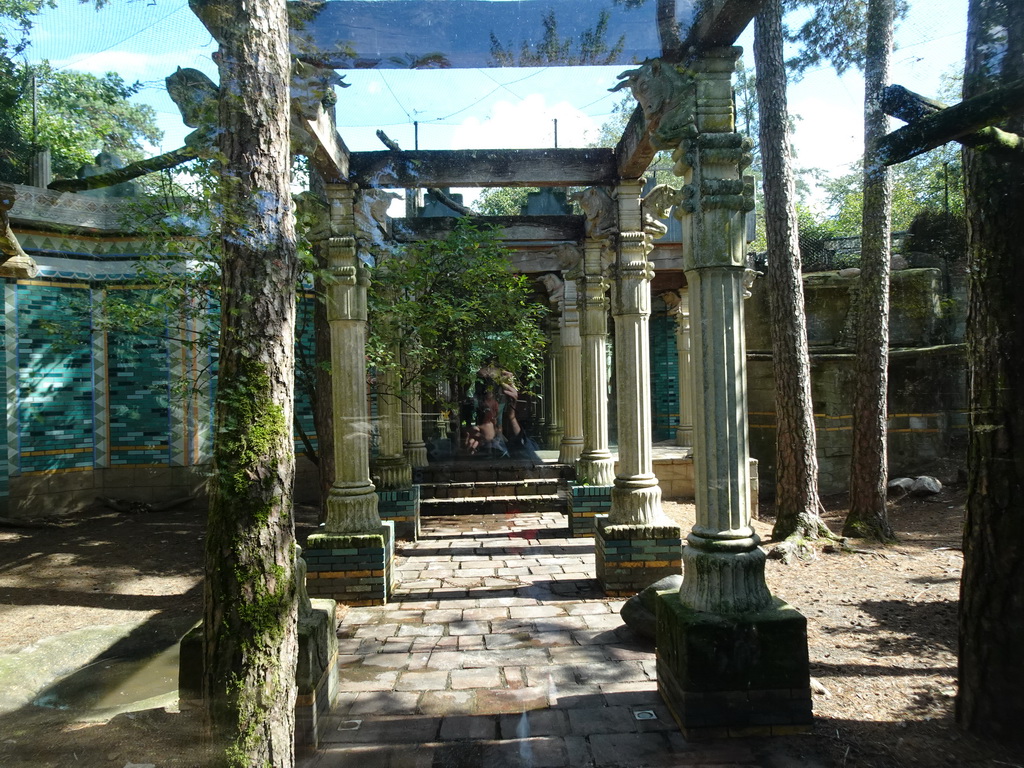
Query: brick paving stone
(504, 658)
(579, 609)
(584, 721)
(377, 631)
(559, 623)
(541, 752)
(535, 612)
(368, 679)
(445, 659)
(630, 652)
(442, 616)
(471, 642)
(610, 672)
(484, 614)
(475, 678)
(578, 752)
(604, 621)
(385, 703)
(445, 703)
(499, 702)
(547, 639)
(418, 630)
(388, 729)
(539, 722)
(552, 674)
(643, 694)
(646, 750)
(575, 696)
(515, 677)
(468, 627)
(469, 727)
(433, 680)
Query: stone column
(571, 375)
(353, 522)
(391, 467)
(636, 498)
(553, 388)
(731, 659)
(679, 307)
(412, 429)
(637, 545)
(595, 467)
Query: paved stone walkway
(500, 651)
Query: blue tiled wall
(54, 369)
(664, 373)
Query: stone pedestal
(359, 566)
(743, 674)
(401, 507)
(590, 503)
(316, 672)
(632, 557)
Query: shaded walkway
(499, 650)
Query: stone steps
(497, 504)
(517, 489)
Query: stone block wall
(589, 503)
(927, 397)
(632, 557)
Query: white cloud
(134, 65)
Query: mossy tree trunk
(869, 461)
(796, 489)
(990, 703)
(250, 598)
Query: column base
(598, 470)
(632, 557)
(733, 675)
(403, 509)
(416, 455)
(636, 501)
(352, 508)
(728, 580)
(589, 503)
(552, 438)
(391, 473)
(352, 568)
(570, 449)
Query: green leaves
(452, 306)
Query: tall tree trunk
(796, 488)
(250, 596)
(990, 702)
(869, 463)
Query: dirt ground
(882, 634)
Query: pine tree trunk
(990, 702)
(250, 597)
(869, 462)
(796, 488)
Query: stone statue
(555, 287)
(14, 262)
(667, 97)
(196, 97)
(600, 212)
(107, 162)
(656, 205)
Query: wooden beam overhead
(719, 24)
(331, 156)
(484, 168)
(539, 230)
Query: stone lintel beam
(542, 230)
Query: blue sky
(146, 40)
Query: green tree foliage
(591, 50)
(832, 31)
(933, 181)
(78, 115)
(453, 306)
(502, 201)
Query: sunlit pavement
(499, 650)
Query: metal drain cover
(644, 714)
(349, 725)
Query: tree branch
(159, 163)
(931, 123)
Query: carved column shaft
(636, 497)
(412, 429)
(352, 501)
(724, 569)
(391, 467)
(596, 465)
(681, 311)
(553, 390)
(571, 377)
